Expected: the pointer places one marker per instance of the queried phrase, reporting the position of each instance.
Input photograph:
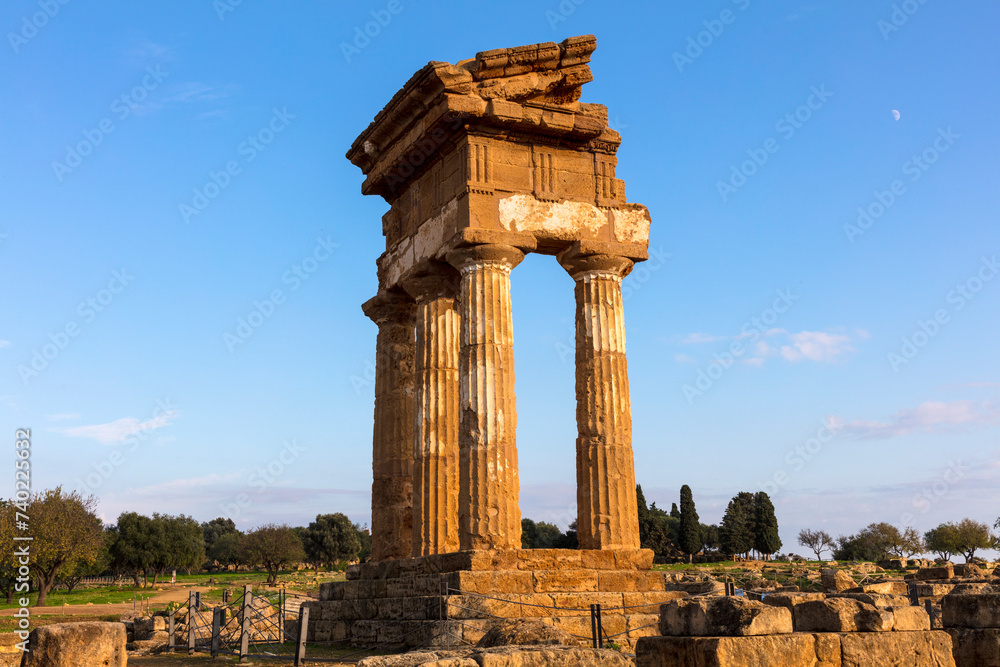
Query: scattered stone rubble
(848, 625)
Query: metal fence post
(172, 628)
(216, 630)
(914, 600)
(300, 645)
(600, 628)
(929, 606)
(192, 623)
(593, 624)
(245, 622)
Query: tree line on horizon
(749, 525)
(71, 543)
(883, 541)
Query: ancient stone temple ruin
(482, 162)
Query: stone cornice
(526, 92)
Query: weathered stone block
(790, 650)
(510, 581)
(841, 615)
(904, 649)
(933, 590)
(576, 604)
(549, 559)
(910, 619)
(629, 581)
(877, 599)
(975, 647)
(88, 643)
(899, 649)
(564, 581)
(968, 570)
(723, 616)
(971, 611)
(333, 590)
(935, 573)
(836, 581)
(649, 603)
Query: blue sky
(170, 169)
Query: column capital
(433, 280)
(581, 258)
(390, 307)
(488, 253)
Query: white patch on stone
(424, 244)
(631, 225)
(524, 213)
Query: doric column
(392, 456)
(607, 516)
(435, 444)
(489, 516)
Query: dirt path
(177, 594)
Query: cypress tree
(674, 512)
(765, 540)
(690, 528)
(736, 534)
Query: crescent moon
(895, 114)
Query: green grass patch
(83, 596)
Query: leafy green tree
(66, 532)
(226, 550)
(690, 529)
(710, 536)
(875, 542)
(273, 547)
(736, 534)
(816, 541)
(529, 533)
(215, 530)
(912, 543)
(331, 538)
(134, 545)
(365, 537)
(183, 544)
(765, 538)
(943, 540)
(656, 527)
(971, 537)
(674, 512)
(8, 560)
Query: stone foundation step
(929, 648)
(494, 561)
(623, 630)
(506, 581)
(501, 605)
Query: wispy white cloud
(928, 417)
(212, 480)
(145, 49)
(119, 430)
(65, 416)
(816, 346)
(973, 385)
(4, 343)
(699, 338)
(685, 359)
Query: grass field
(301, 582)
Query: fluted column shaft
(392, 455)
(489, 515)
(607, 515)
(435, 444)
